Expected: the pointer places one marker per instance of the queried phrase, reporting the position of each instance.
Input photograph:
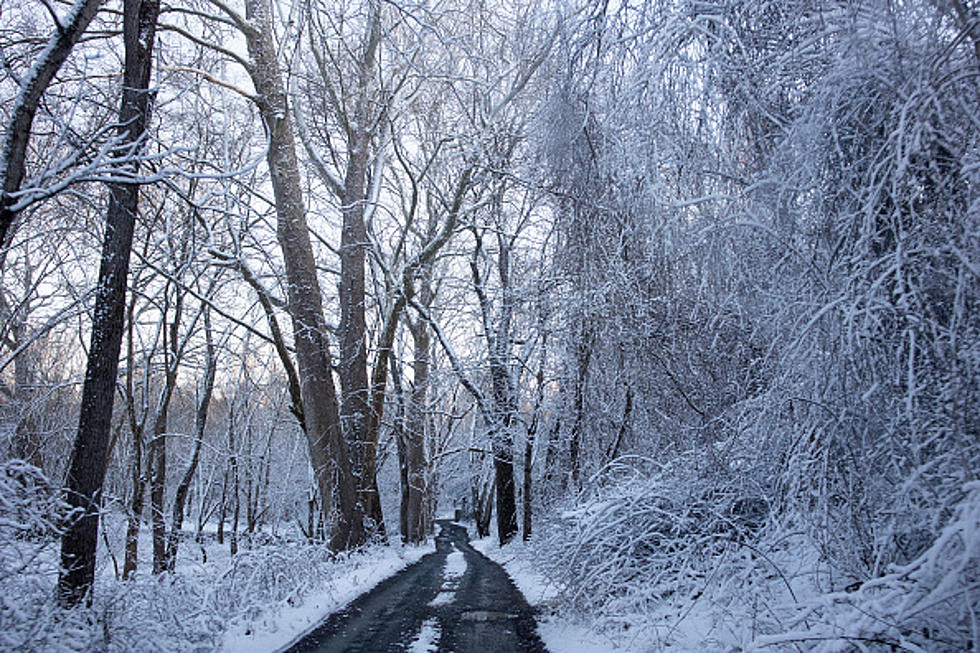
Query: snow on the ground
(560, 633)
(455, 565)
(277, 628)
(427, 641)
(452, 571)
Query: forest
(676, 303)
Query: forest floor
(454, 599)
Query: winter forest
(674, 304)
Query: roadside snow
(283, 625)
(560, 633)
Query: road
(454, 600)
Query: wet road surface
(454, 600)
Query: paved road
(454, 600)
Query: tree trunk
(355, 395)
(328, 450)
(200, 423)
(131, 556)
(528, 452)
(27, 445)
(87, 465)
(158, 483)
(233, 476)
(415, 435)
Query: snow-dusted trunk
(328, 451)
(505, 401)
(17, 131)
(415, 464)
(87, 465)
(355, 400)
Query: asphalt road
(454, 600)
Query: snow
(276, 629)
(560, 633)
(452, 571)
(427, 641)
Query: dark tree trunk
(27, 445)
(398, 429)
(158, 483)
(233, 475)
(583, 354)
(503, 465)
(87, 465)
(131, 556)
(355, 402)
(526, 496)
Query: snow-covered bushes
(650, 536)
(929, 604)
(190, 610)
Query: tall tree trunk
(583, 354)
(415, 435)
(131, 555)
(200, 424)
(158, 482)
(328, 450)
(27, 445)
(355, 396)
(87, 465)
(233, 475)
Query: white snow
(277, 629)
(452, 571)
(427, 641)
(455, 565)
(560, 633)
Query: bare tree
(87, 466)
(68, 30)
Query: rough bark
(328, 450)
(87, 464)
(355, 399)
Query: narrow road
(454, 600)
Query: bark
(87, 464)
(158, 481)
(18, 126)
(233, 474)
(200, 423)
(415, 464)
(400, 437)
(328, 450)
(583, 354)
(355, 399)
(131, 556)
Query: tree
(87, 466)
(68, 30)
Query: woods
(681, 295)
